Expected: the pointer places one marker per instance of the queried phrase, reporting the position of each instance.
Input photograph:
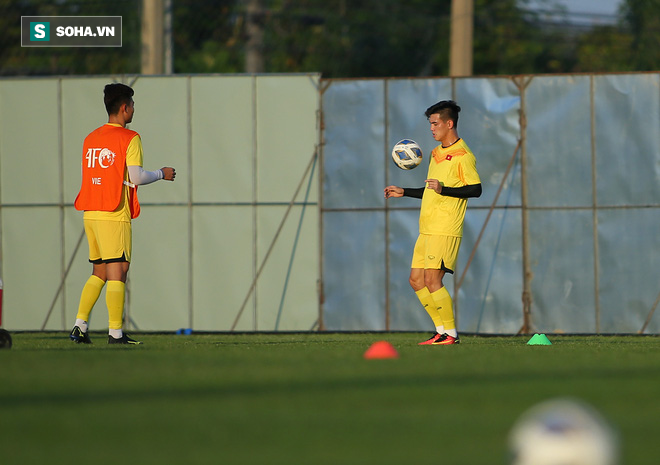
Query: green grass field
(309, 398)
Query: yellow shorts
(109, 241)
(436, 252)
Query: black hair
(447, 109)
(115, 95)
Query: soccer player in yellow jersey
(452, 178)
(111, 172)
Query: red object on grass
(381, 349)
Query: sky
(607, 7)
(587, 11)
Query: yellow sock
(114, 299)
(90, 294)
(430, 306)
(445, 307)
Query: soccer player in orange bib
(111, 172)
(452, 178)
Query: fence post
(522, 82)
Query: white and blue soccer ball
(563, 432)
(407, 154)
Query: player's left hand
(433, 184)
(169, 173)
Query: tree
(642, 17)
(406, 38)
(208, 36)
(508, 40)
(358, 39)
(343, 38)
(632, 45)
(604, 49)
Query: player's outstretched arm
(140, 177)
(414, 192)
(396, 191)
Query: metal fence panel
(222, 140)
(629, 264)
(488, 300)
(31, 244)
(627, 118)
(240, 144)
(287, 298)
(30, 142)
(354, 271)
(559, 141)
(353, 115)
(158, 279)
(572, 131)
(563, 271)
(244, 148)
(222, 270)
(286, 135)
(404, 308)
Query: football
(561, 431)
(407, 154)
(5, 339)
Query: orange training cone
(381, 349)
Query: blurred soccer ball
(407, 154)
(562, 432)
(5, 339)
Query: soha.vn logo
(104, 157)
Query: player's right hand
(393, 191)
